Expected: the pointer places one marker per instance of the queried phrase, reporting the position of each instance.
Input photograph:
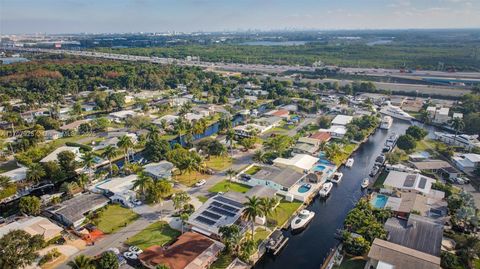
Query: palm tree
(322, 145)
(126, 144)
(252, 210)
(163, 124)
(230, 173)
(458, 124)
(88, 160)
(81, 262)
(109, 153)
(35, 172)
(142, 183)
(82, 180)
(153, 132)
(469, 249)
(259, 156)
(332, 151)
(232, 238)
(269, 206)
(230, 136)
(184, 217)
(179, 127)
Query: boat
(337, 177)
(374, 171)
(325, 191)
(386, 122)
(395, 112)
(365, 183)
(349, 162)
(276, 242)
(302, 219)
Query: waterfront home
(281, 113)
(169, 119)
(384, 254)
(118, 189)
(54, 155)
(191, 117)
(29, 116)
(438, 115)
(72, 127)
(118, 116)
(335, 131)
(52, 135)
(269, 122)
(441, 168)
(300, 162)
(218, 211)
(160, 170)
(467, 162)
(71, 213)
(342, 120)
(306, 145)
(17, 174)
(408, 182)
(190, 251)
(465, 141)
(321, 136)
(178, 101)
(113, 138)
(33, 226)
(419, 233)
(400, 168)
(250, 129)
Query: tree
(248, 142)
(156, 149)
(35, 173)
(324, 122)
(231, 237)
(469, 249)
(54, 171)
(211, 147)
(67, 162)
(458, 124)
(158, 190)
(88, 161)
(180, 199)
(406, 142)
(142, 183)
(19, 249)
(355, 245)
(333, 151)
(162, 266)
(416, 132)
(449, 260)
(29, 205)
(81, 262)
(279, 143)
(125, 143)
(230, 173)
(108, 260)
(268, 206)
(230, 136)
(109, 153)
(252, 210)
(184, 217)
(83, 180)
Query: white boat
(386, 122)
(374, 171)
(349, 162)
(395, 112)
(302, 219)
(365, 183)
(325, 191)
(337, 177)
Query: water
(308, 249)
(380, 201)
(274, 43)
(11, 60)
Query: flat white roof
(302, 161)
(408, 181)
(54, 155)
(342, 120)
(117, 184)
(18, 174)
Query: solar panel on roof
(224, 206)
(422, 183)
(228, 201)
(221, 211)
(210, 215)
(204, 220)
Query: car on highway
(200, 183)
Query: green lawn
(219, 163)
(222, 262)
(351, 264)
(189, 179)
(202, 198)
(158, 233)
(381, 178)
(260, 235)
(253, 170)
(8, 166)
(283, 212)
(114, 217)
(342, 156)
(224, 186)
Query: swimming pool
(380, 201)
(304, 188)
(319, 168)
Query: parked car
(200, 183)
(130, 255)
(459, 180)
(135, 249)
(464, 179)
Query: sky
(120, 16)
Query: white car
(137, 202)
(114, 250)
(200, 183)
(135, 249)
(130, 255)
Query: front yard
(223, 261)
(158, 233)
(283, 213)
(352, 263)
(189, 179)
(219, 163)
(224, 186)
(114, 217)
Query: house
(33, 226)
(73, 126)
(113, 138)
(178, 101)
(468, 142)
(118, 116)
(412, 105)
(280, 179)
(388, 255)
(342, 120)
(408, 182)
(299, 162)
(441, 115)
(191, 117)
(418, 233)
(250, 129)
(52, 135)
(306, 145)
(439, 167)
(54, 155)
(72, 212)
(118, 190)
(431, 206)
(29, 116)
(336, 131)
(160, 170)
(169, 119)
(281, 113)
(467, 162)
(218, 211)
(321, 136)
(190, 251)
(16, 175)
(269, 122)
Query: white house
(408, 182)
(160, 170)
(54, 155)
(342, 120)
(335, 131)
(118, 189)
(462, 140)
(467, 162)
(279, 179)
(441, 115)
(299, 162)
(121, 115)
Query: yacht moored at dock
(386, 122)
(349, 162)
(337, 177)
(325, 191)
(302, 219)
(395, 112)
(276, 242)
(365, 183)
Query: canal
(308, 249)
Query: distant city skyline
(114, 16)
